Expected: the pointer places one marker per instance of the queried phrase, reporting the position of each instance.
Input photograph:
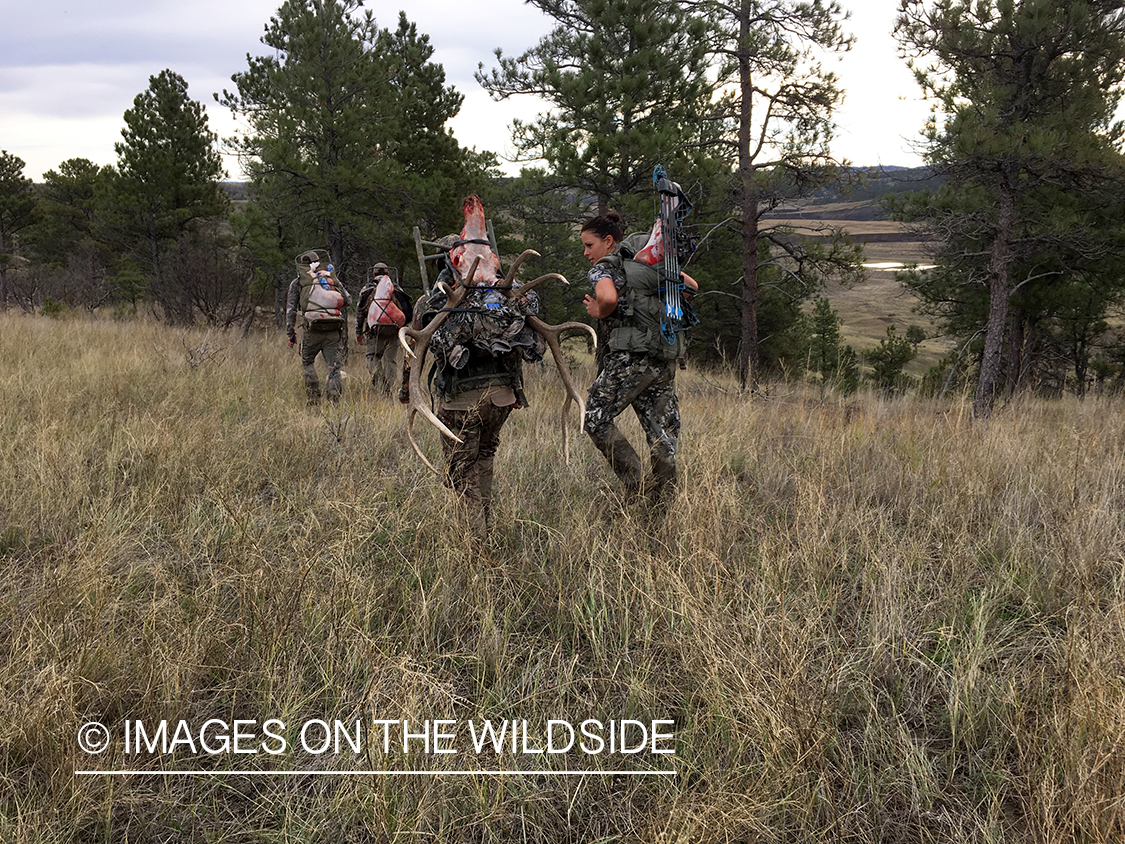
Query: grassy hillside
(866, 309)
(867, 620)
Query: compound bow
(674, 207)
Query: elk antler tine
(551, 334)
(524, 289)
(414, 442)
(418, 356)
(404, 333)
(417, 405)
(565, 432)
(511, 276)
(468, 280)
(580, 326)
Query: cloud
(64, 92)
(70, 68)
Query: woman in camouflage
(639, 379)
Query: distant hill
(876, 182)
(861, 199)
(237, 191)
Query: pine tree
(824, 356)
(66, 242)
(17, 212)
(166, 183)
(1024, 135)
(348, 147)
(69, 205)
(773, 125)
(887, 360)
(626, 81)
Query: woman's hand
(591, 306)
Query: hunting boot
(660, 486)
(622, 457)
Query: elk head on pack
(475, 264)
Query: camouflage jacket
(483, 342)
(617, 319)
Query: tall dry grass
(871, 620)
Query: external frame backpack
(389, 306)
(322, 301)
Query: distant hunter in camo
(321, 302)
(381, 310)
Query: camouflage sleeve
(292, 305)
(614, 272)
(444, 277)
(596, 274)
(361, 308)
(605, 269)
(429, 306)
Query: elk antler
(524, 289)
(511, 276)
(551, 334)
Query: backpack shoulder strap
(614, 260)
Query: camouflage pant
(330, 344)
(648, 386)
(469, 463)
(382, 351)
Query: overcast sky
(69, 69)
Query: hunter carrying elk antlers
(479, 325)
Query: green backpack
(643, 306)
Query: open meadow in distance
(866, 309)
(863, 619)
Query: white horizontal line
(499, 773)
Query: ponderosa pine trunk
(999, 295)
(748, 333)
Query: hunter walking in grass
(321, 301)
(475, 400)
(479, 325)
(381, 310)
(478, 351)
(636, 366)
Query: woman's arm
(604, 300)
